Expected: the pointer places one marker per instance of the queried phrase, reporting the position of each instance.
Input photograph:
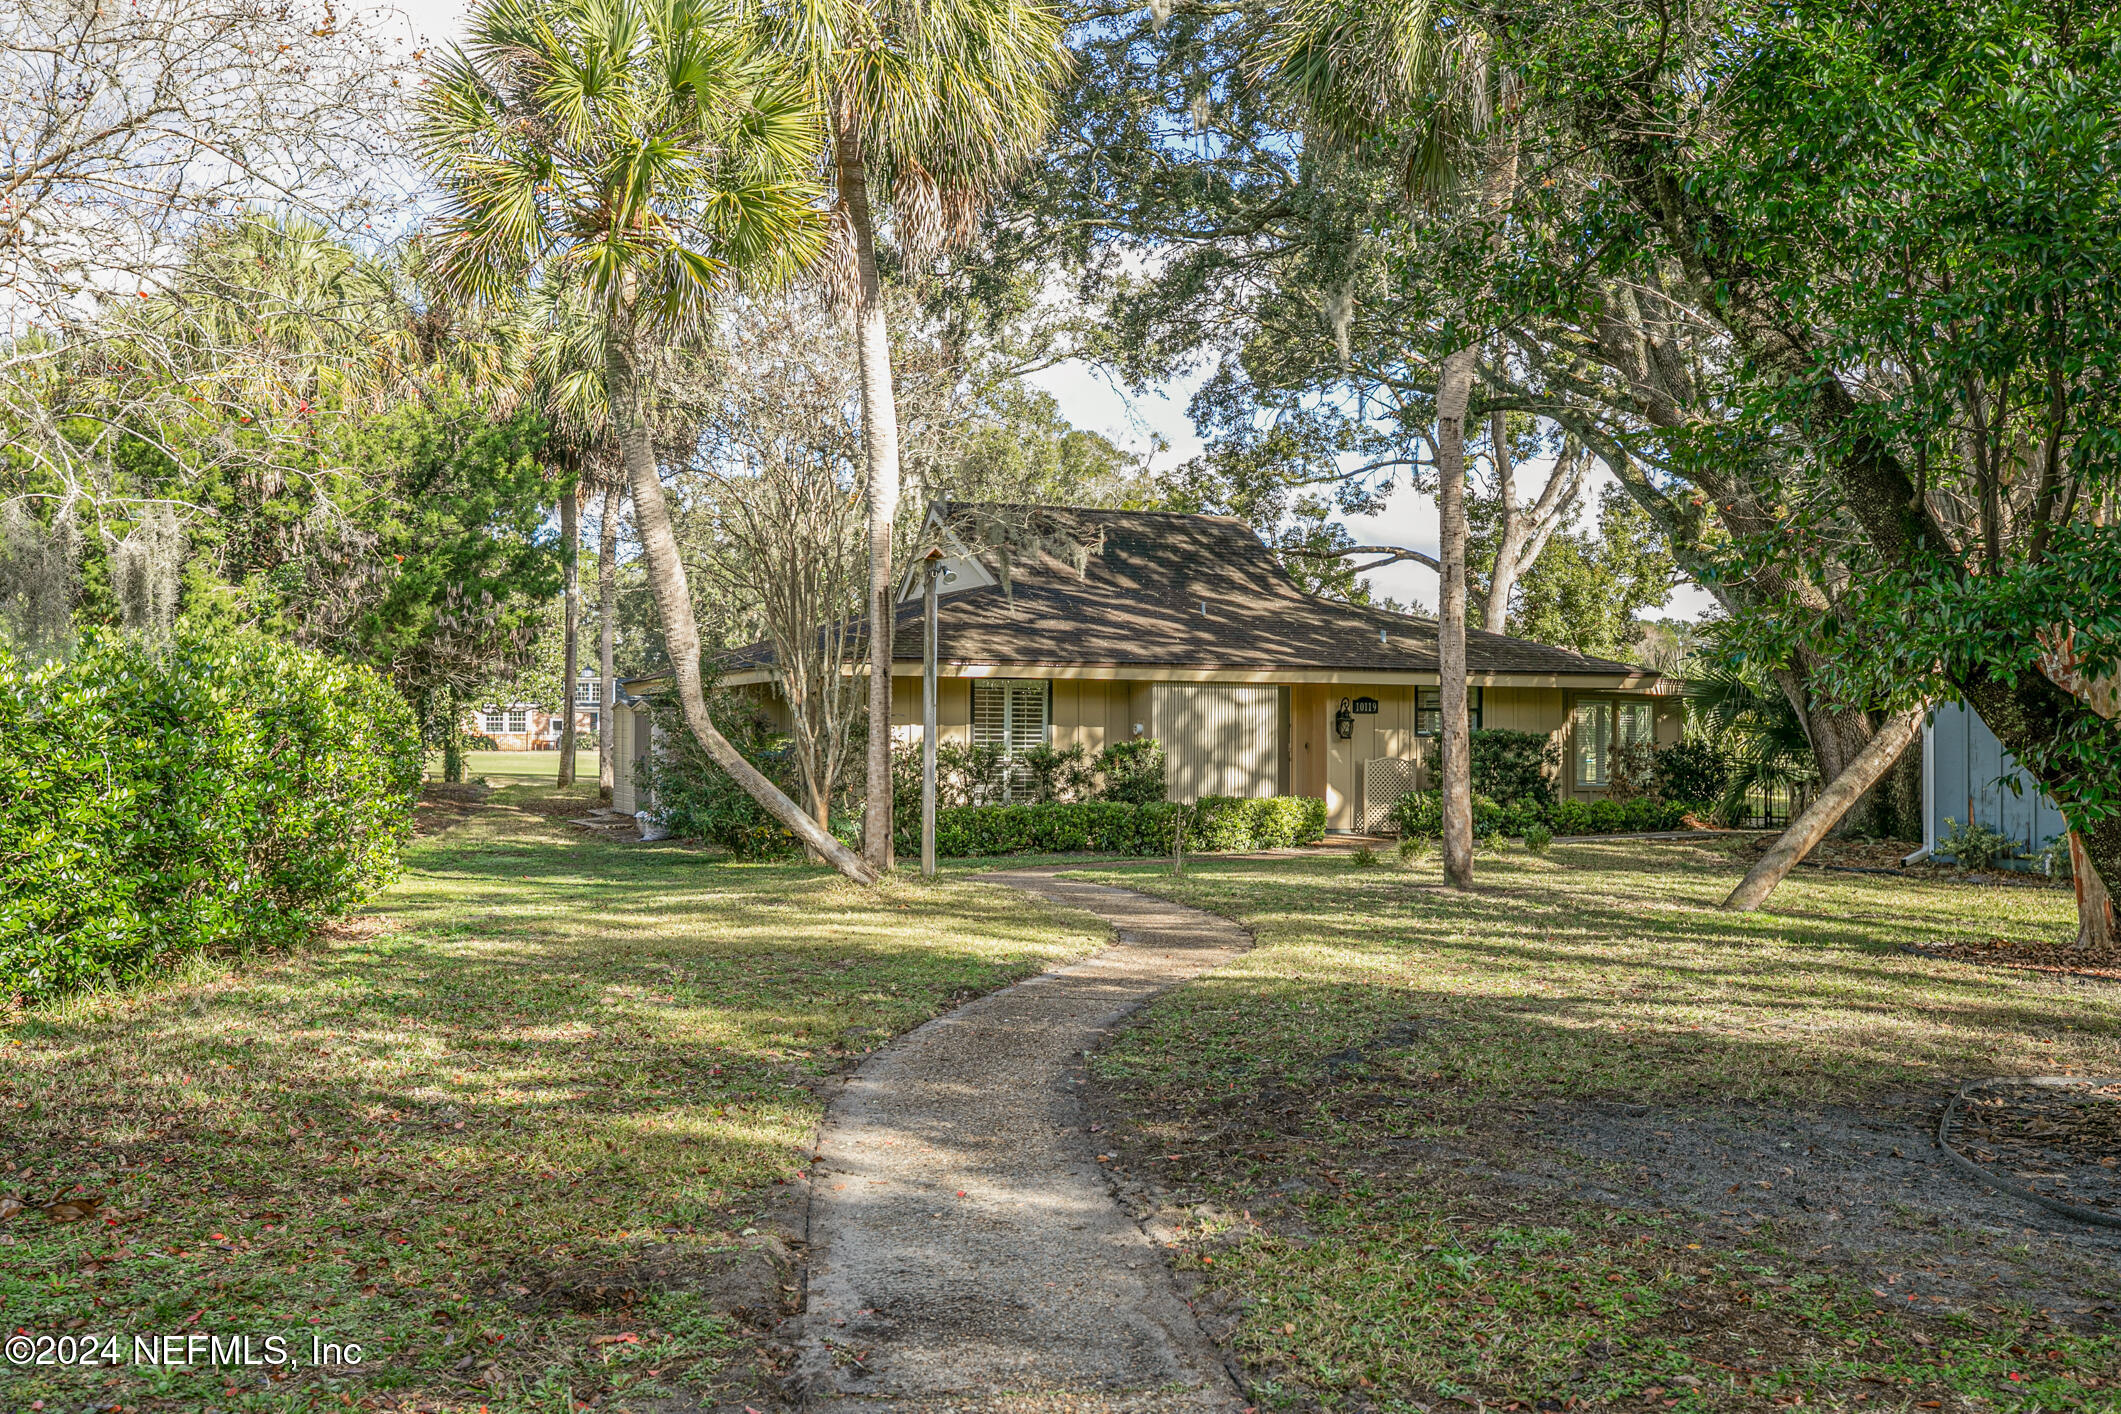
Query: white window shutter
(1027, 716)
(1013, 715)
(990, 720)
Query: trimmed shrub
(1696, 771)
(1538, 838)
(1639, 815)
(1214, 823)
(1131, 772)
(1514, 767)
(1420, 815)
(225, 791)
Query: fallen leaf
(9, 1206)
(629, 1338)
(72, 1210)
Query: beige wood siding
(631, 726)
(953, 710)
(1310, 731)
(1523, 709)
(1090, 714)
(1219, 738)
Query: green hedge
(221, 791)
(1420, 814)
(1213, 823)
(1637, 816)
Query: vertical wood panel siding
(1218, 738)
(622, 795)
(1966, 768)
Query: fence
(1771, 807)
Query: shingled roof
(1186, 592)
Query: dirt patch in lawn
(1581, 1140)
(443, 806)
(1702, 1258)
(1865, 1190)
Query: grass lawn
(1419, 1150)
(518, 767)
(508, 1135)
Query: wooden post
(928, 714)
(570, 532)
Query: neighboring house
(533, 726)
(1183, 628)
(1968, 778)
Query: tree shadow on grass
(551, 1050)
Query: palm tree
(931, 102)
(1361, 69)
(567, 360)
(650, 154)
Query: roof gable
(1074, 586)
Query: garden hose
(2003, 1185)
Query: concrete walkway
(965, 1250)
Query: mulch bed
(1884, 856)
(2060, 1140)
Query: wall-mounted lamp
(1344, 721)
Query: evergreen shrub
(220, 791)
(1213, 824)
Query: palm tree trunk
(880, 453)
(1805, 832)
(570, 537)
(1454, 389)
(607, 638)
(681, 632)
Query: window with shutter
(1633, 724)
(1013, 714)
(1594, 744)
(1428, 710)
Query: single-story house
(1120, 624)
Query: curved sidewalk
(966, 1252)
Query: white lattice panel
(1384, 780)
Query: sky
(1097, 404)
(1409, 520)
